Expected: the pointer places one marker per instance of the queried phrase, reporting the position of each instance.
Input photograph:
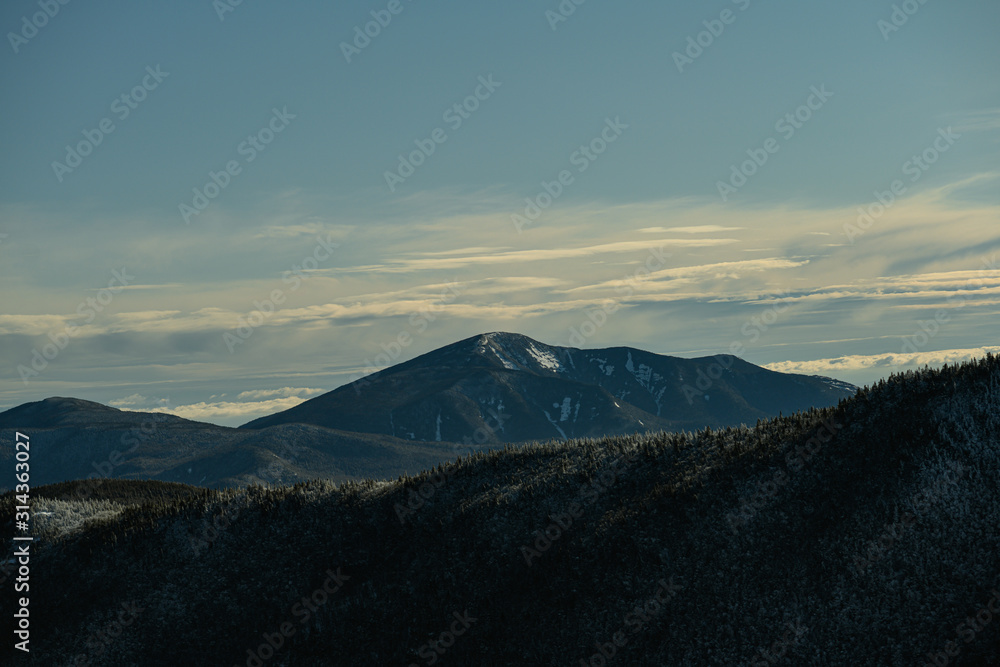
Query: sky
(220, 210)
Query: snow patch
(487, 342)
(553, 422)
(567, 406)
(606, 368)
(437, 432)
(544, 358)
(507, 363)
(642, 375)
(658, 398)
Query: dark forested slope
(862, 534)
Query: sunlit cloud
(284, 392)
(228, 411)
(888, 361)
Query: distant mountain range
(75, 439)
(861, 534)
(483, 391)
(504, 387)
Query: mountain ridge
(479, 392)
(470, 380)
(868, 528)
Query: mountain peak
(507, 387)
(55, 410)
(518, 352)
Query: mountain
(76, 439)
(480, 392)
(861, 534)
(504, 387)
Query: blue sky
(774, 261)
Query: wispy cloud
(674, 277)
(983, 120)
(446, 262)
(699, 229)
(925, 253)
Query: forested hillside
(861, 534)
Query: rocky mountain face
(503, 387)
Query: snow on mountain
(506, 387)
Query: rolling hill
(75, 439)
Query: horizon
(167, 410)
(226, 225)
